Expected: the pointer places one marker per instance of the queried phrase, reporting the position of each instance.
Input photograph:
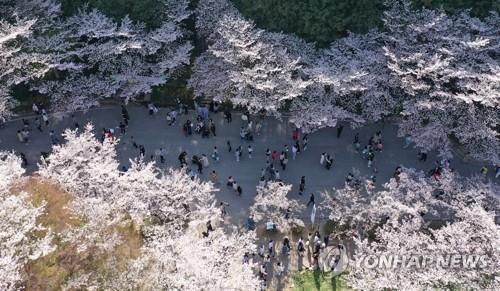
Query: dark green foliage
(175, 88)
(25, 97)
(314, 20)
(323, 21)
(147, 11)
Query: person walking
(172, 117)
(239, 190)
(302, 185)
(370, 158)
(258, 127)
(364, 152)
(227, 116)
(222, 208)
(311, 200)
(230, 181)
(189, 127)
(250, 126)
(274, 156)
(305, 140)
(286, 246)
(142, 151)
(301, 247)
(151, 108)
(20, 137)
(284, 163)
(215, 154)
(322, 159)
(45, 117)
(161, 154)
(23, 160)
(134, 144)
(268, 155)
(270, 247)
(340, 128)
(237, 152)
(26, 134)
(329, 161)
(280, 269)
(200, 167)
(212, 127)
(285, 149)
(243, 133)
(53, 137)
(261, 251)
(182, 159)
(38, 124)
(229, 148)
(377, 137)
(277, 175)
(204, 161)
(250, 151)
(215, 178)
(357, 145)
(294, 152)
(35, 109)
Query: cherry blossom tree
(18, 224)
(19, 21)
(254, 71)
(16, 66)
(194, 262)
(272, 205)
(11, 169)
(473, 232)
(417, 214)
(83, 165)
(350, 82)
(97, 57)
(446, 66)
(208, 14)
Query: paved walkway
(153, 132)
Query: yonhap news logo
(423, 261)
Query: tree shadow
(317, 279)
(333, 281)
(280, 284)
(300, 262)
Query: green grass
(317, 281)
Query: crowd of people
(274, 161)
